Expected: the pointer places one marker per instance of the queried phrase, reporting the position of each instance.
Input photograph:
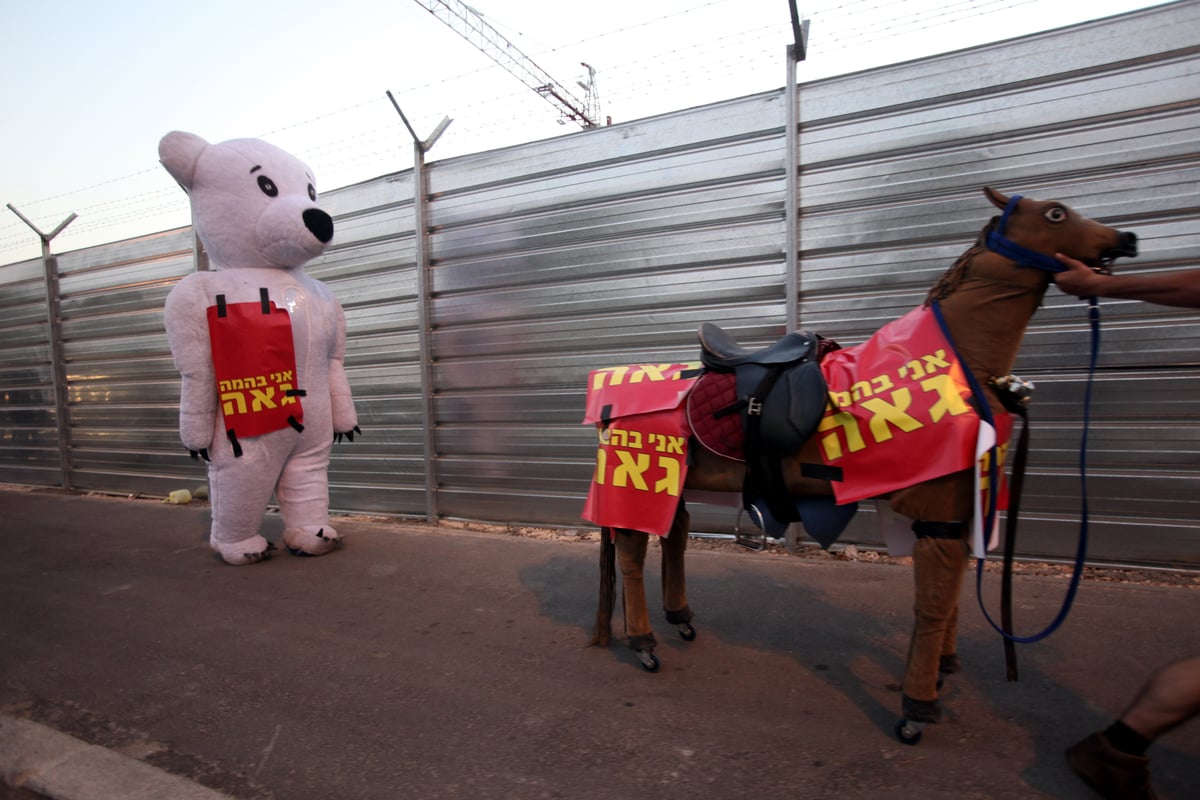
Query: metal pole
(791, 203)
(424, 306)
(58, 370)
(795, 53)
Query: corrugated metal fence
(610, 246)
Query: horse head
(1046, 227)
(1017, 247)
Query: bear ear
(179, 151)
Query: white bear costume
(254, 209)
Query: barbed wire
(658, 79)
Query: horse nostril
(320, 223)
(1128, 243)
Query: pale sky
(89, 88)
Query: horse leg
(939, 562)
(631, 557)
(674, 578)
(602, 631)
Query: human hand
(1078, 278)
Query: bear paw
(309, 542)
(247, 551)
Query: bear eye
(268, 186)
(312, 192)
(1056, 214)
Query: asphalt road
(427, 662)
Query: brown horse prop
(983, 304)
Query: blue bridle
(997, 242)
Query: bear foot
(247, 551)
(308, 542)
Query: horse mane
(951, 278)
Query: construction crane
(467, 23)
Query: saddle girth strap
(764, 473)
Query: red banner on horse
(637, 389)
(641, 463)
(899, 410)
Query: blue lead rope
(994, 482)
(1081, 548)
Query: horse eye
(1056, 214)
(268, 186)
(312, 193)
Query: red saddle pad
(722, 435)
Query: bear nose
(320, 223)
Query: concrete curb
(41, 760)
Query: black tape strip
(265, 300)
(295, 424)
(732, 409)
(822, 471)
(295, 393)
(606, 414)
(237, 448)
(687, 374)
(221, 305)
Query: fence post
(424, 337)
(796, 53)
(58, 370)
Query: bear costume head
(259, 344)
(273, 194)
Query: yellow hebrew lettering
(613, 376)
(618, 436)
(224, 386)
(284, 398)
(884, 382)
(632, 468)
(674, 444)
(915, 366)
(936, 361)
(230, 400)
(261, 381)
(653, 372)
(262, 399)
(849, 426)
(840, 399)
(601, 467)
(860, 390)
(670, 483)
(885, 414)
(949, 401)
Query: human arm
(1176, 288)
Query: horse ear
(997, 199)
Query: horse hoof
(648, 660)
(909, 732)
(687, 632)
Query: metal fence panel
(611, 245)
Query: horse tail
(602, 632)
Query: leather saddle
(781, 392)
(781, 398)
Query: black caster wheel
(908, 732)
(648, 660)
(687, 632)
